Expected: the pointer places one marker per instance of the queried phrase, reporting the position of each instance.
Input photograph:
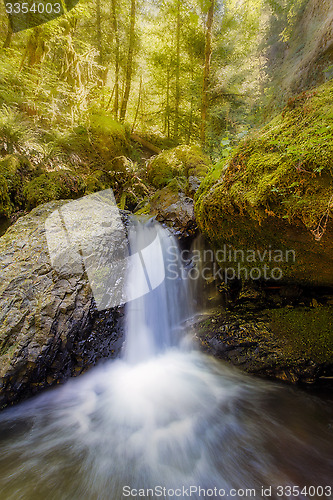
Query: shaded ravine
(165, 415)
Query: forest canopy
(177, 71)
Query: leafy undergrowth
(283, 171)
(39, 165)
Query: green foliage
(182, 161)
(53, 186)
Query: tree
(117, 56)
(206, 70)
(129, 66)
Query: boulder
(182, 162)
(272, 343)
(171, 207)
(177, 174)
(271, 203)
(50, 325)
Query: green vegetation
(181, 162)
(309, 332)
(53, 186)
(283, 171)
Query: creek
(165, 415)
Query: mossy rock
(108, 138)
(53, 186)
(98, 181)
(276, 190)
(182, 161)
(15, 171)
(308, 331)
(5, 203)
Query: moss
(309, 332)
(53, 186)
(16, 170)
(5, 204)
(277, 187)
(97, 181)
(286, 168)
(94, 143)
(182, 161)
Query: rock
(50, 325)
(183, 161)
(176, 173)
(272, 202)
(172, 208)
(175, 210)
(242, 339)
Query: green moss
(182, 161)
(107, 137)
(95, 143)
(5, 204)
(97, 181)
(309, 332)
(284, 170)
(276, 189)
(53, 186)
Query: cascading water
(163, 416)
(163, 297)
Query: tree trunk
(138, 106)
(9, 35)
(117, 55)
(206, 71)
(177, 100)
(129, 67)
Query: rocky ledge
(284, 342)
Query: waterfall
(162, 296)
(163, 421)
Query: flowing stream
(165, 415)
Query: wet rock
(245, 340)
(172, 208)
(50, 327)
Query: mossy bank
(275, 192)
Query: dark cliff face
(300, 56)
(50, 327)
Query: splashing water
(163, 416)
(152, 321)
